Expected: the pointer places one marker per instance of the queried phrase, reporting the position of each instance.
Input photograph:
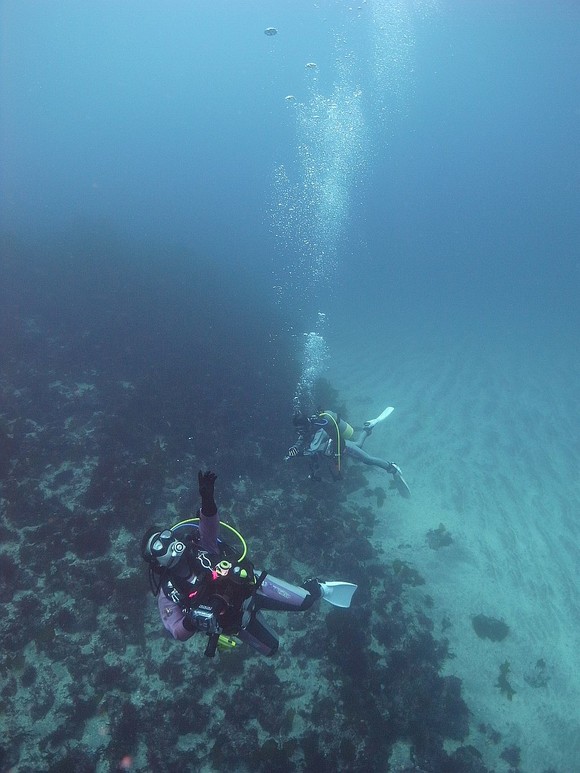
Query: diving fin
(385, 414)
(401, 485)
(339, 594)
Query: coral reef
(538, 675)
(107, 414)
(439, 537)
(503, 682)
(489, 627)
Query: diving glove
(206, 482)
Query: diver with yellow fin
(326, 437)
(205, 585)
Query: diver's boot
(314, 587)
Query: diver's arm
(173, 618)
(299, 445)
(209, 522)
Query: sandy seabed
(486, 434)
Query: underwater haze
(204, 228)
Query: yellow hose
(330, 416)
(227, 526)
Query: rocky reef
(107, 414)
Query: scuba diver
(325, 436)
(204, 585)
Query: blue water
(167, 126)
(183, 199)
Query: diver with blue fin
(205, 585)
(325, 437)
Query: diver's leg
(368, 425)
(398, 481)
(278, 594)
(259, 635)
(356, 452)
(364, 433)
(314, 466)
